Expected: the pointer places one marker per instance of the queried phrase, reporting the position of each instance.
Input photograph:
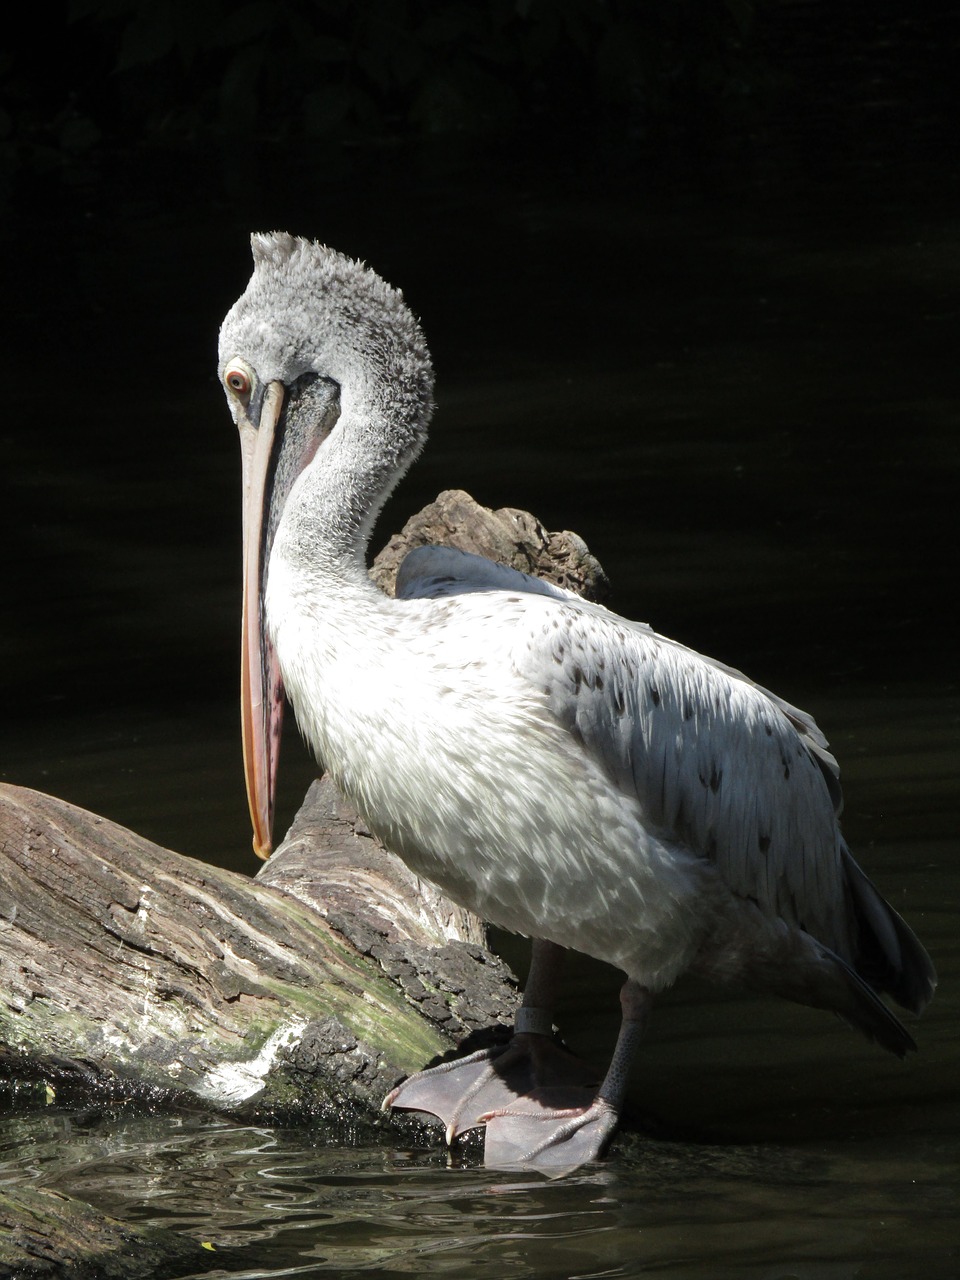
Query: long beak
(261, 687)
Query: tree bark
(508, 535)
(309, 990)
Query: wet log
(309, 990)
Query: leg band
(537, 1022)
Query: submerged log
(310, 990)
(45, 1235)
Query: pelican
(564, 773)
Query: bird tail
(859, 1006)
(883, 956)
(888, 956)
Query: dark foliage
(118, 72)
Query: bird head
(315, 339)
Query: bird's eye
(238, 378)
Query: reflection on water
(277, 1203)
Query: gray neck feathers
(330, 514)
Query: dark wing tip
(888, 954)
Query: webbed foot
(509, 1089)
(551, 1130)
(457, 1093)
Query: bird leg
(550, 1129)
(543, 979)
(462, 1093)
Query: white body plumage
(493, 737)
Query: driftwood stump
(307, 991)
